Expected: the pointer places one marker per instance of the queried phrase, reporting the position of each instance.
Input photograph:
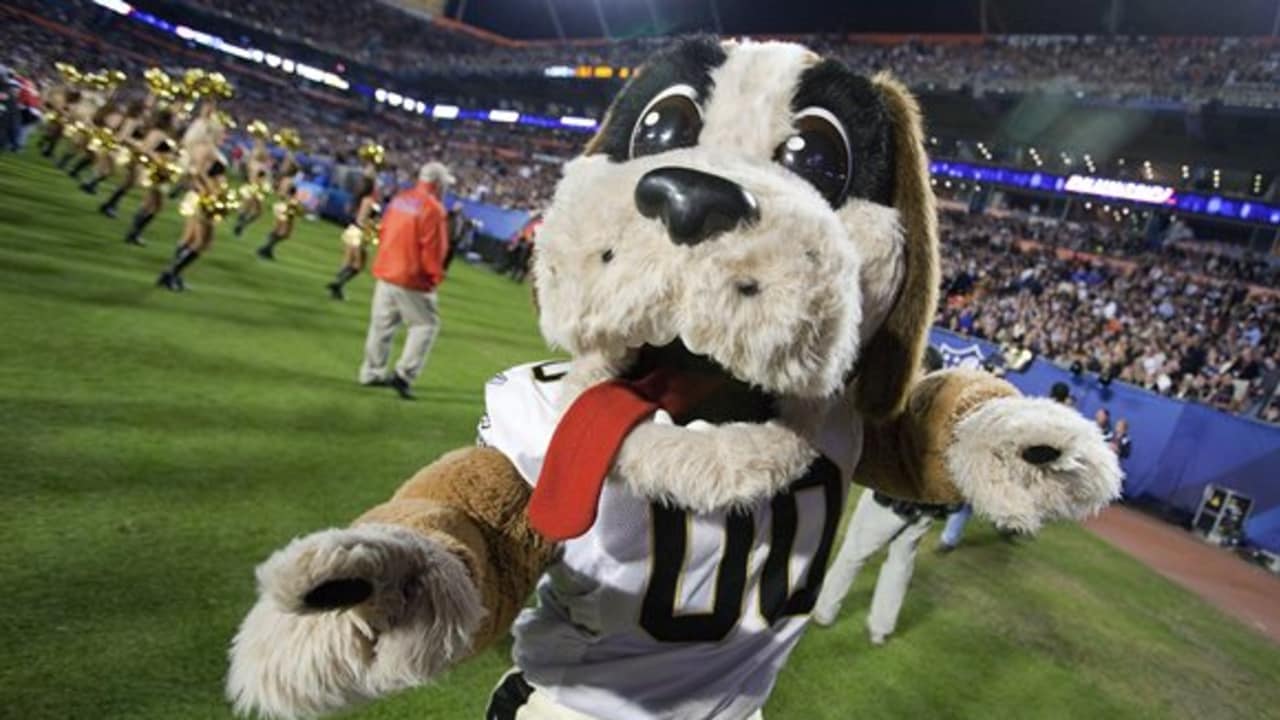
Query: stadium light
(380, 95)
(582, 122)
(394, 99)
(444, 112)
(115, 6)
(504, 116)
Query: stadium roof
(530, 19)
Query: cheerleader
(205, 204)
(258, 176)
(119, 128)
(196, 130)
(57, 103)
(79, 119)
(98, 136)
(155, 167)
(358, 237)
(142, 143)
(291, 142)
(285, 211)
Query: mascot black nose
(694, 205)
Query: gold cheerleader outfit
(354, 236)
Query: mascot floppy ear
(891, 359)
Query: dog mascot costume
(743, 267)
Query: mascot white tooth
(743, 268)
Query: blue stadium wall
(1179, 448)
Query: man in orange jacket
(412, 246)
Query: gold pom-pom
(373, 153)
(225, 119)
(258, 129)
(288, 138)
(70, 73)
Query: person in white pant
(413, 242)
(877, 521)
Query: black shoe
(378, 382)
(169, 281)
(944, 548)
(134, 240)
(265, 253)
(335, 291)
(401, 386)
(89, 188)
(108, 210)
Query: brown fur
(473, 501)
(905, 457)
(889, 360)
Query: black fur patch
(854, 100)
(688, 61)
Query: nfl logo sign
(965, 357)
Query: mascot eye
(819, 152)
(671, 120)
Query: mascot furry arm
(743, 267)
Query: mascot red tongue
(587, 439)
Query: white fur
(707, 467)
(881, 243)
(798, 336)
(987, 467)
(289, 661)
(749, 113)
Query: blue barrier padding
(337, 206)
(1178, 447)
(498, 222)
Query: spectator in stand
(520, 251)
(1102, 419)
(1061, 394)
(409, 268)
(1120, 441)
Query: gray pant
(872, 527)
(393, 305)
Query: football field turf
(161, 445)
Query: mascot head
(755, 209)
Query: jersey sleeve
(521, 408)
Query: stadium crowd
(1191, 335)
(1179, 320)
(1240, 71)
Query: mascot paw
(348, 615)
(1022, 461)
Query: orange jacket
(414, 240)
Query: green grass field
(161, 445)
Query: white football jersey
(660, 613)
